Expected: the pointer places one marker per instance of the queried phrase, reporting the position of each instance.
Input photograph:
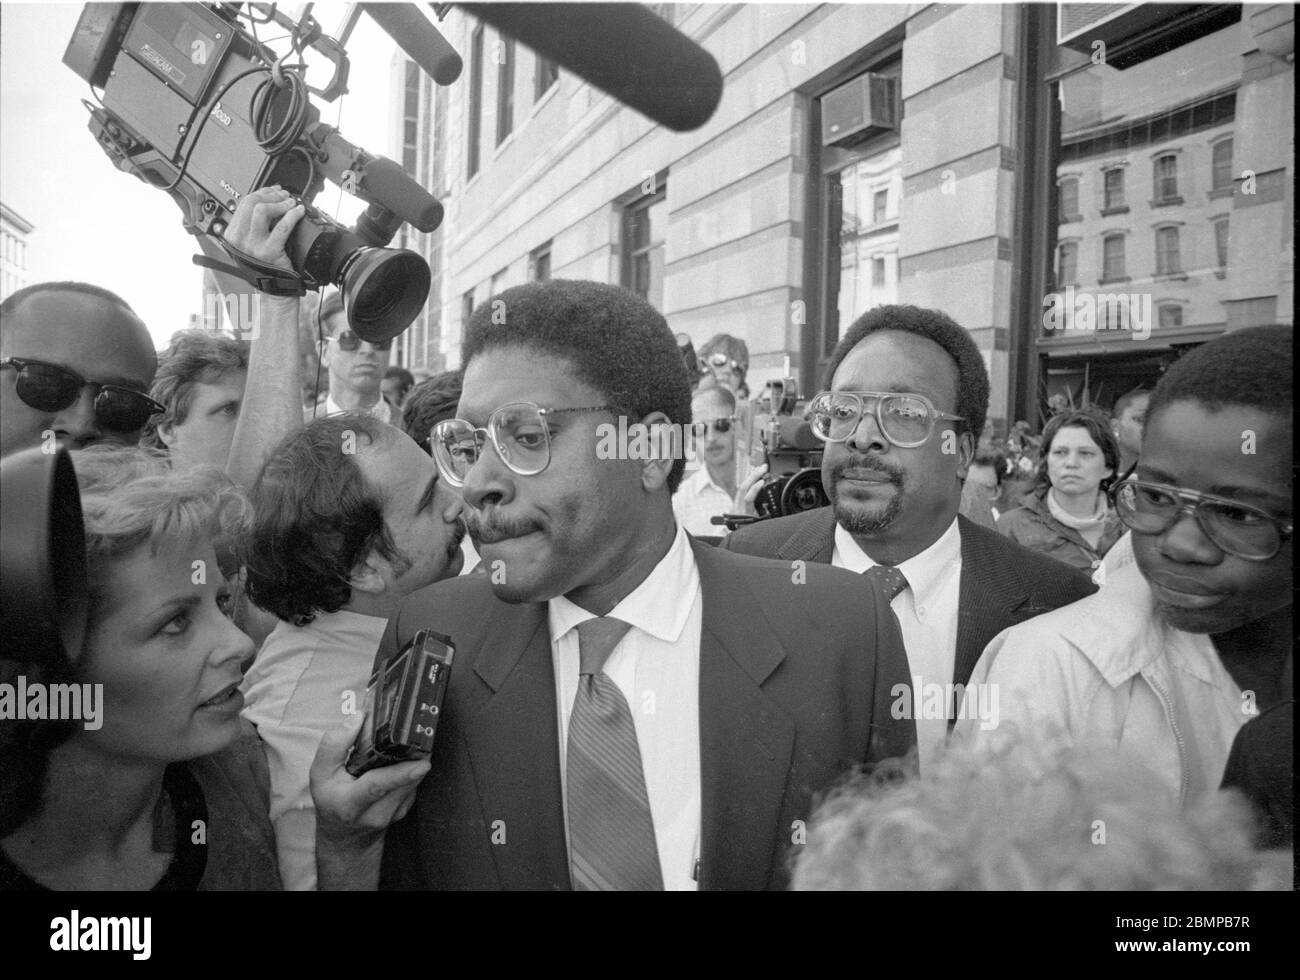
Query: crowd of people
(640, 700)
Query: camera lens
(384, 289)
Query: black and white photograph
(647, 447)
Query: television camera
(193, 104)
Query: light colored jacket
(1108, 668)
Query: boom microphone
(422, 42)
(621, 48)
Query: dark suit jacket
(795, 688)
(1002, 583)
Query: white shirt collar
(379, 409)
(923, 572)
(701, 481)
(660, 605)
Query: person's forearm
(272, 405)
(348, 864)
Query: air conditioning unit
(860, 109)
(1133, 32)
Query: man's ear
(368, 574)
(965, 453)
(665, 442)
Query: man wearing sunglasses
(76, 364)
(629, 709)
(712, 490)
(905, 405)
(356, 367)
(1186, 645)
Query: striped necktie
(611, 832)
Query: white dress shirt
(296, 691)
(379, 410)
(698, 499)
(657, 667)
(927, 617)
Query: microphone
(622, 49)
(422, 42)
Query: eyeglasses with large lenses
(520, 432)
(905, 419)
(50, 388)
(1238, 529)
(349, 341)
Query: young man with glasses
(76, 364)
(1192, 640)
(629, 709)
(356, 367)
(906, 396)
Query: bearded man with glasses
(907, 392)
(1192, 640)
(630, 708)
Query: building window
(644, 223)
(1113, 191)
(539, 263)
(1171, 315)
(1168, 261)
(878, 271)
(506, 90)
(466, 306)
(1221, 168)
(1166, 180)
(548, 73)
(410, 118)
(475, 99)
(1069, 203)
(1067, 264)
(498, 282)
(879, 206)
(1112, 258)
(1221, 242)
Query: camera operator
(77, 364)
(349, 516)
(711, 490)
(200, 384)
(356, 367)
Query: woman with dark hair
(161, 786)
(1067, 515)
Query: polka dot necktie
(888, 578)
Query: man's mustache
(492, 528)
(869, 461)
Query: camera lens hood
(43, 600)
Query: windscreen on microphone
(387, 184)
(419, 38)
(622, 49)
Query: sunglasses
(721, 426)
(717, 360)
(349, 341)
(50, 388)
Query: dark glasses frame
(489, 435)
(721, 425)
(115, 418)
(353, 342)
(879, 397)
(1194, 501)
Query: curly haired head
(1028, 811)
(1252, 367)
(431, 401)
(617, 343)
(314, 518)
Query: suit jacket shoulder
(809, 536)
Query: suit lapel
(813, 538)
(746, 742)
(988, 598)
(510, 735)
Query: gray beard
(856, 522)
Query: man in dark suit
(628, 708)
(908, 393)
